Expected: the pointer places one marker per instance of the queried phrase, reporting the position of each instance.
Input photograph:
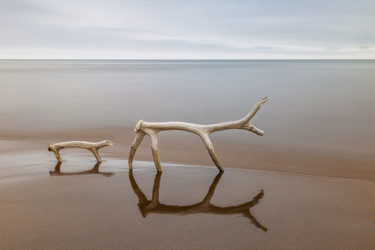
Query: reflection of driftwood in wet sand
(154, 206)
(91, 146)
(94, 170)
(203, 131)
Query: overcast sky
(187, 29)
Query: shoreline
(74, 156)
(180, 148)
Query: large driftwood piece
(91, 146)
(203, 131)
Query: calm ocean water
(313, 104)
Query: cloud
(186, 29)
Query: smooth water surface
(313, 104)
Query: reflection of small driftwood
(203, 131)
(92, 146)
(155, 206)
(94, 170)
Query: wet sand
(81, 205)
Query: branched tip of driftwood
(203, 131)
(91, 146)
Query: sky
(187, 29)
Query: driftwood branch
(153, 205)
(91, 146)
(203, 131)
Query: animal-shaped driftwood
(91, 146)
(203, 131)
(154, 205)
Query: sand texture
(80, 204)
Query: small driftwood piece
(91, 146)
(203, 131)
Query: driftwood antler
(91, 146)
(203, 131)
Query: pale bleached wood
(91, 146)
(203, 131)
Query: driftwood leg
(137, 141)
(96, 154)
(57, 155)
(155, 151)
(211, 151)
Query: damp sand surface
(80, 204)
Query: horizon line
(199, 59)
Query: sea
(325, 104)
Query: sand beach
(79, 205)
